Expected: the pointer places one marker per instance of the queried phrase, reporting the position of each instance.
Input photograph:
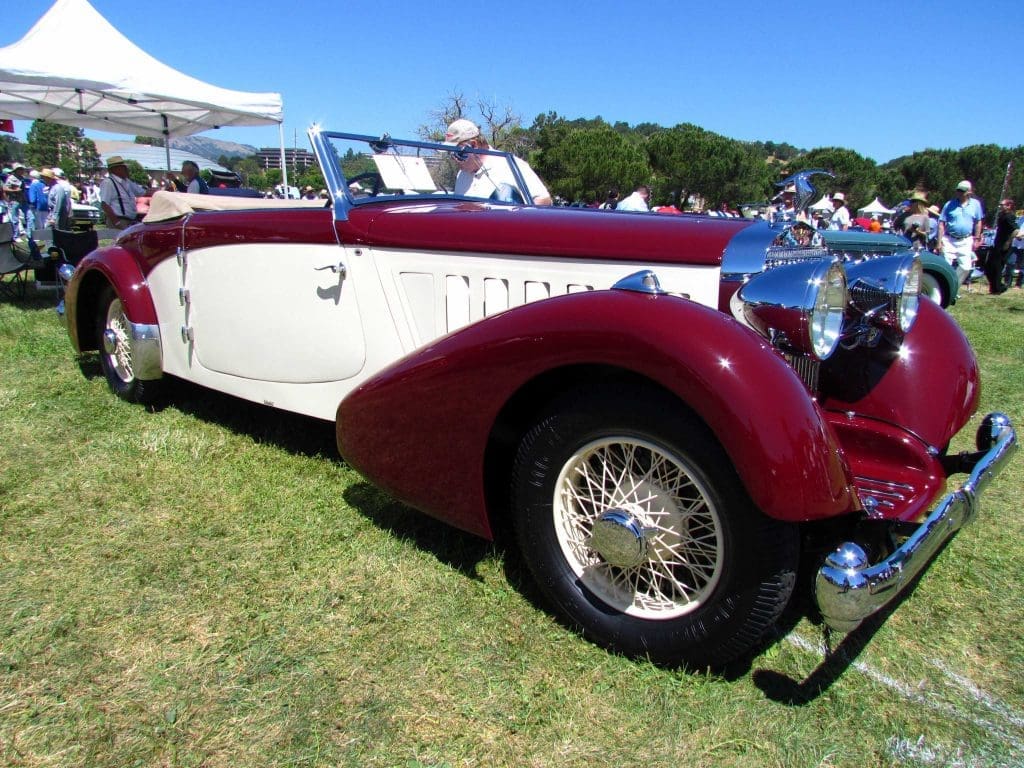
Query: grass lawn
(210, 585)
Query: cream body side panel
(241, 315)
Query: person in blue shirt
(38, 200)
(960, 226)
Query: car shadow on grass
(457, 549)
(838, 657)
(295, 433)
(307, 436)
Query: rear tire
(113, 336)
(637, 529)
(932, 289)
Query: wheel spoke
(682, 535)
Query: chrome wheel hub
(619, 539)
(109, 342)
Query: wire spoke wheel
(662, 516)
(114, 340)
(635, 525)
(117, 342)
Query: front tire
(634, 524)
(113, 335)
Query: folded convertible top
(173, 205)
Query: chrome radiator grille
(808, 369)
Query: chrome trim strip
(333, 177)
(147, 356)
(848, 590)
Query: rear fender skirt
(419, 428)
(120, 269)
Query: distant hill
(212, 149)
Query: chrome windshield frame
(343, 199)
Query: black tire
(699, 573)
(115, 352)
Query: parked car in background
(938, 281)
(229, 183)
(670, 413)
(85, 216)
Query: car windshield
(365, 169)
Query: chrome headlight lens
(798, 307)
(887, 290)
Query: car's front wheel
(635, 526)
(113, 332)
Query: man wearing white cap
(118, 193)
(960, 230)
(483, 175)
(841, 215)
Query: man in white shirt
(118, 193)
(637, 201)
(485, 175)
(841, 215)
(960, 225)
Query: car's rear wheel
(113, 332)
(635, 526)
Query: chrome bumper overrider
(147, 356)
(848, 590)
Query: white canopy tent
(823, 205)
(875, 207)
(92, 76)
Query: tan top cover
(173, 205)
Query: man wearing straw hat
(118, 193)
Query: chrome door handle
(338, 269)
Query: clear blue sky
(884, 80)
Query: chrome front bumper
(848, 590)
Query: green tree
(149, 141)
(11, 149)
(137, 173)
(690, 161)
(248, 168)
(934, 172)
(309, 177)
(584, 163)
(51, 145)
(855, 175)
(985, 166)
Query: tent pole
(284, 168)
(167, 142)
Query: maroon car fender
(118, 267)
(419, 429)
(929, 386)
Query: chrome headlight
(887, 290)
(798, 307)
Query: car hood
(540, 231)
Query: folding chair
(11, 265)
(73, 246)
(68, 247)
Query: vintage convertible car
(668, 411)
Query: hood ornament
(805, 191)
